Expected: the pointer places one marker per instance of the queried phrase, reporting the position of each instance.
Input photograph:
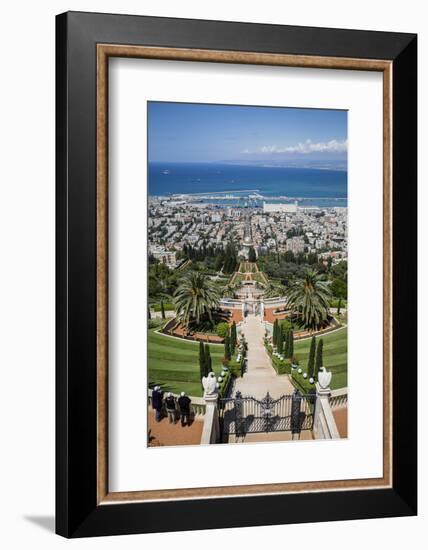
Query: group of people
(170, 405)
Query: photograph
(213, 270)
(247, 244)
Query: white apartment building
(280, 207)
(165, 256)
(296, 244)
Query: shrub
(281, 367)
(301, 383)
(224, 384)
(286, 325)
(222, 329)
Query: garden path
(260, 376)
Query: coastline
(236, 185)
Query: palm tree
(227, 291)
(310, 298)
(195, 298)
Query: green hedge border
(281, 367)
(302, 384)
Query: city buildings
(174, 224)
(280, 207)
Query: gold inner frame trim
(104, 51)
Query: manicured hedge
(281, 367)
(302, 384)
(224, 384)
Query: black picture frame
(77, 511)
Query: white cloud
(332, 146)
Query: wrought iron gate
(240, 415)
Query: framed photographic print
(236, 274)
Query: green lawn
(334, 354)
(174, 364)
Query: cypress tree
(290, 344)
(208, 360)
(233, 338)
(150, 315)
(285, 338)
(311, 359)
(227, 353)
(280, 344)
(219, 261)
(162, 310)
(287, 344)
(202, 367)
(319, 358)
(275, 333)
(252, 255)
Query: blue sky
(190, 132)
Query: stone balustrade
(324, 422)
(338, 399)
(211, 428)
(324, 425)
(275, 301)
(229, 303)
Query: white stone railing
(211, 427)
(230, 303)
(197, 404)
(324, 422)
(275, 302)
(338, 399)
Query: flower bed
(173, 328)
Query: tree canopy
(309, 298)
(195, 298)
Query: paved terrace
(165, 434)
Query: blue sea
(309, 186)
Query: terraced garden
(174, 364)
(335, 354)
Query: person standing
(170, 408)
(157, 402)
(184, 404)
